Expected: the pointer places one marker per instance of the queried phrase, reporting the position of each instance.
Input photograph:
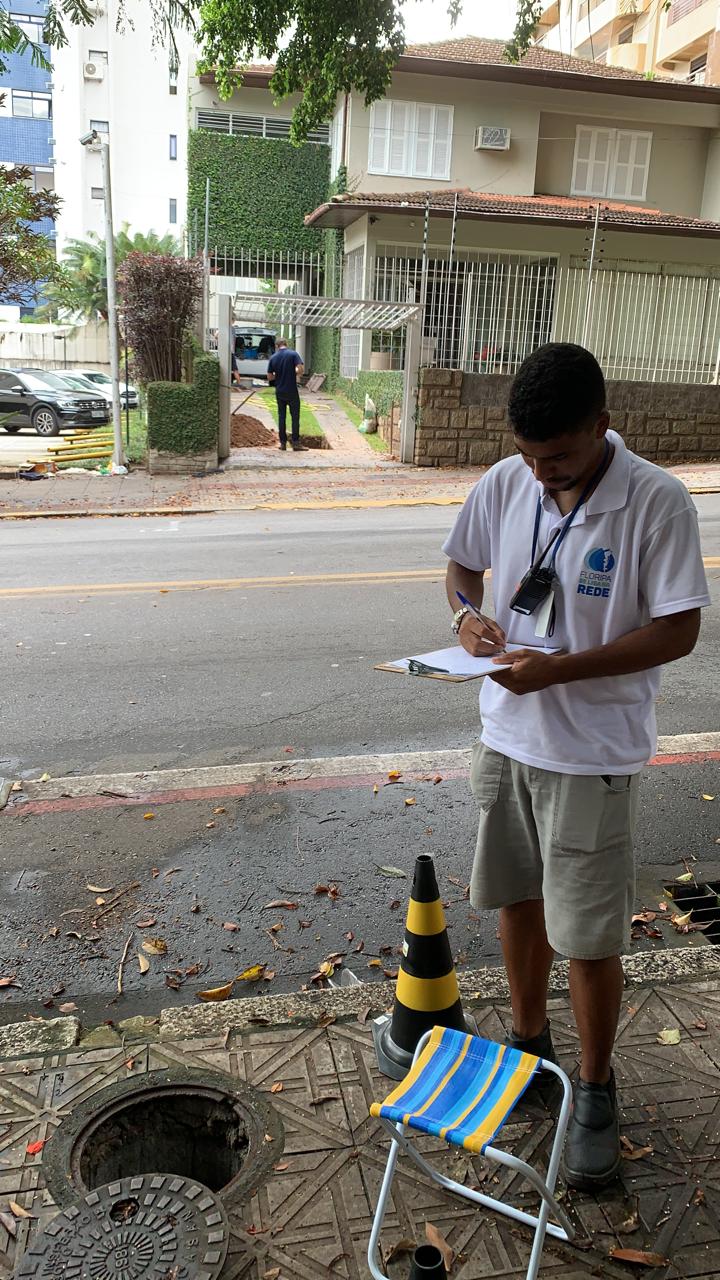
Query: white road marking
(408, 763)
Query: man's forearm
(663, 640)
(457, 579)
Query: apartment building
(120, 83)
(26, 116)
(680, 39)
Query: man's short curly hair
(560, 388)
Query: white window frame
(336, 141)
(616, 135)
(409, 168)
(32, 96)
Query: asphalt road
(169, 675)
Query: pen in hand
(478, 618)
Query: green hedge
(260, 189)
(185, 418)
(384, 387)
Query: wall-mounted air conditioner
(93, 70)
(489, 137)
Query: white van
(253, 348)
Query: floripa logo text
(596, 577)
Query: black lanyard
(559, 534)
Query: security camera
(88, 138)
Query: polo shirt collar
(612, 491)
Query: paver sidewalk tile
(312, 1216)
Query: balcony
(687, 29)
(631, 56)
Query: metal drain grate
(701, 900)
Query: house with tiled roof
(556, 198)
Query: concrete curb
(331, 504)
(311, 1008)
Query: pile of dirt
(249, 433)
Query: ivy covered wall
(260, 189)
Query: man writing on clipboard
(596, 553)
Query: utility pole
(118, 459)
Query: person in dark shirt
(284, 368)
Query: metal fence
(279, 265)
(485, 313)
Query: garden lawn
(309, 425)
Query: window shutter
(424, 131)
(379, 137)
(401, 117)
(583, 142)
(443, 142)
(632, 161)
(593, 150)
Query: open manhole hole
(200, 1125)
(700, 902)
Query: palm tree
(82, 289)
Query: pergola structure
(273, 310)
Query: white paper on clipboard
(456, 661)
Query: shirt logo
(596, 577)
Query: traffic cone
(427, 993)
(427, 1262)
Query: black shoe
(283, 445)
(544, 1086)
(298, 447)
(592, 1148)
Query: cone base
(427, 1262)
(393, 1061)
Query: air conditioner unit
(93, 70)
(488, 137)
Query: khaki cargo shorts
(564, 838)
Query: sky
(428, 20)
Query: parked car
(76, 383)
(31, 397)
(253, 349)
(99, 379)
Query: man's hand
(526, 671)
(481, 639)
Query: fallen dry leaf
(220, 809)
(148, 817)
(252, 974)
(272, 1274)
(95, 888)
(644, 917)
(210, 824)
(433, 1236)
(397, 872)
(629, 1152)
(698, 1197)
(640, 1257)
(375, 964)
(630, 1224)
(18, 1210)
(9, 982)
(277, 1087)
(217, 993)
(399, 1250)
(700, 1024)
(708, 797)
(33, 1148)
(9, 1224)
(280, 1168)
(146, 924)
(280, 904)
(155, 946)
(375, 789)
(143, 962)
(231, 927)
(685, 878)
(44, 777)
(68, 1007)
(393, 775)
(668, 1035)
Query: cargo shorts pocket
(486, 771)
(594, 813)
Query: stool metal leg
(374, 1256)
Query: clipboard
(459, 665)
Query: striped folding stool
(462, 1088)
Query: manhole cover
(152, 1226)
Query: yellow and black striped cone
(427, 993)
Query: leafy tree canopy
(81, 288)
(27, 257)
(321, 48)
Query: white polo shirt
(631, 554)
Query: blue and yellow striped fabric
(462, 1088)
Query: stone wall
(161, 462)
(462, 419)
